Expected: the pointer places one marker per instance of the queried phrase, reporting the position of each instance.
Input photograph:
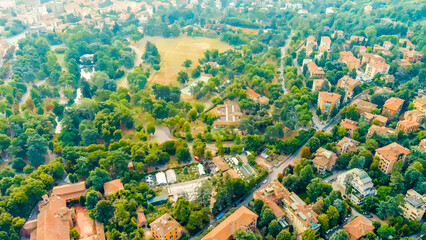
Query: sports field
(174, 51)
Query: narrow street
(281, 69)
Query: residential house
(413, 56)
(422, 144)
(351, 62)
(378, 49)
(324, 160)
(414, 115)
(112, 187)
(420, 104)
(321, 51)
(325, 42)
(220, 164)
(362, 49)
(407, 126)
(407, 42)
(389, 155)
(141, 220)
(298, 213)
(311, 41)
(392, 107)
(358, 228)
(272, 195)
(227, 114)
(364, 106)
(358, 38)
(379, 130)
(374, 68)
(315, 71)
(328, 101)
(349, 125)
(317, 84)
(55, 219)
(387, 45)
(166, 228)
(415, 205)
(373, 118)
(256, 96)
(362, 185)
(346, 145)
(243, 219)
(349, 85)
(372, 58)
(308, 50)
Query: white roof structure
(171, 176)
(161, 179)
(235, 160)
(201, 169)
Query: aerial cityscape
(212, 119)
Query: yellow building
(389, 155)
(166, 228)
(415, 205)
(328, 101)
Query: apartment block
(328, 101)
(389, 155)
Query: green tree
(308, 234)
(97, 178)
(385, 231)
(182, 77)
(103, 211)
(18, 164)
(92, 198)
(340, 235)
(150, 128)
(266, 216)
(333, 215)
(37, 149)
(187, 63)
(305, 153)
(284, 235)
(181, 210)
(324, 221)
(245, 235)
(274, 228)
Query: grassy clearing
(174, 51)
(61, 60)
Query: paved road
(283, 55)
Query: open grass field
(174, 51)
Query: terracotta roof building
(243, 219)
(414, 115)
(70, 191)
(389, 155)
(311, 41)
(348, 84)
(271, 195)
(166, 228)
(392, 107)
(374, 68)
(407, 126)
(256, 96)
(370, 118)
(232, 173)
(297, 213)
(227, 114)
(422, 144)
(379, 130)
(55, 218)
(317, 83)
(327, 101)
(349, 125)
(324, 160)
(413, 56)
(420, 104)
(220, 164)
(112, 187)
(364, 106)
(315, 71)
(358, 228)
(409, 44)
(325, 42)
(346, 145)
(141, 221)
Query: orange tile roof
(358, 228)
(349, 124)
(380, 130)
(240, 219)
(54, 220)
(393, 103)
(325, 39)
(325, 158)
(364, 106)
(271, 194)
(232, 173)
(70, 191)
(407, 124)
(392, 151)
(164, 224)
(113, 186)
(252, 92)
(347, 141)
(220, 163)
(329, 97)
(350, 59)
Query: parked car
(220, 216)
